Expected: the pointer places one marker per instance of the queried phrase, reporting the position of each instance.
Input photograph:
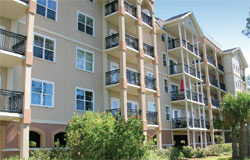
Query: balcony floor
(10, 59)
(131, 89)
(12, 9)
(6, 116)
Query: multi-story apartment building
(108, 56)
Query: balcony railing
(197, 123)
(222, 86)
(25, 1)
(179, 95)
(202, 123)
(211, 60)
(150, 82)
(207, 124)
(221, 67)
(152, 117)
(175, 69)
(215, 102)
(12, 42)
(200, 98)
(213, 81)
(192, 71)
(133, 77)
(112, 41)
(148, 50)
(131, 112)
(111, 7)
(175, 43)
(146, 18)
(190, 47)
(11, 101)
(130, 8)
(131, 42)
(179, 122)
(199, 74)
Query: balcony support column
(199, 112)
(205, 138)
(192, 114)
(185, 36)
(201, 138)
(204, 116)
(194, 143)
(27, 66)
(188, 137)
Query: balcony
(177, 68)
(129, 8)
(221, 68)
(202, 123)
(211, 60)
(12, 48)
(148, 50)
(111, 7)
(25, 1)
(179, 122)
(223, 86)
(175, 43)
(112, 41)
(213, 81)
(146, 19)
(207, 124)
(113, 77)
(152, 117)
(192, 71)
(179, 95)
(131, 42)
(215, 102)
(150, 83)
(194, 96)
(11, 101)
(131, 112)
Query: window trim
(45, 37)
(164, 53)
(53, 96)
(114, 99)
(46, 7)
(93, 63)
(169, 112)
(84, 89)
(86, 22)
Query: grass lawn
(214, 158)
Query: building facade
(109, 56)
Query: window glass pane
(38, 52)
(38, 41)
(41, 2)
(89, 96)
(90, 21)
(36, 99)
(51, 14)
(80, 105)
(81, 18)
(49, 44)
(89, 57)
(79, 94)
(40, 10)
(81, 27)
(89, 66)
(89, 106)
(36, 87)
(52, 4)
(115, 104)
(80, 59)
(48, 88)
(80, 54)
(89, 30)
(49, 55)
(47, 100)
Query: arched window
(34, 140)
(61, 138)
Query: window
(151, 106)
(85, 23)
(166, 85)
(47, 8)
(93, 1)
(164, 59)
(42, 93)
(84, 100)
(44, 48)
(167, 113)
(84, 60)
(163, 37)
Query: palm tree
(231, 118)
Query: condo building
(60, 58)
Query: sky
(223, 20)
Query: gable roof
(159, 23)
(242, 57)
(230, 50)
(178, 16)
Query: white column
(201, 137)
(194, 143)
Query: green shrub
(101, 136)
(215, 150)
(199, 152)
(16, 157)
(32, 144)
(175, 153)
(188, 151)
(219, 139)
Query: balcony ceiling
(12, 9)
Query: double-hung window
(167, 113)
(164, 58)
(42, 93)
(84, 100)
(166, 85)
(84, 60)
(44, 48)
(85, 23)
(47, 8)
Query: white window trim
(79, 12)
(46, 7)
(169, 111)
(114, 99)
(93, 63)
(46, 37)
(53, 96)
(84, 89)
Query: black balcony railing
(25, 1)
(112, 41)
(221, 67)
(190, 122)
(213, 81)
(207, 124)
(199, 74)
(148, 50)
(146, 19)
(11, 101)
(211, 60)
(179, 122)
(133, 77)
(222, 86)
(12, 42)
(194, 96)
(179, 95)
(150, 82)
(131, 112)
(192, 71)
(202, 123)
(152, 117)
(131, 42)
(111, 7)
(114, 112)
(190, 47)
(113, 77)
(200, 98)
(175, 43)
(197, 123)
(175, 69)
(215, 102)
(130, 8)
(206, 101)
(196, 51)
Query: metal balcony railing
(190, 47)
(150, 82)
(133, 77)
(131, 112)
(111, 7)
(131, 42)
(146, 19)
(12, 42)
(11, 101)
(199, 74)
(152, 117)
(194, 96)
(175, 69)
(222, 86)
(148, 50)
(25, 1)
(206, 101)
(112, 41)
(192, 71)
(221, 67)
(211, 60)
(179, 95)
(197, 123)
(202, 123)
(200, 98)
(179, 122)
(130, 8)
(213, 81)
(175, 43)
(207, 124)
(215, 102)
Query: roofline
(241, 56)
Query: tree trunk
(234, 142)
(243, 146)
(248, 138)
